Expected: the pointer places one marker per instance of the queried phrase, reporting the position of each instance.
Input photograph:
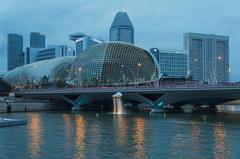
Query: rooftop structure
(83, 41)
(122, 28)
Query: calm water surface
(83, 135)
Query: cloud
(158, 23)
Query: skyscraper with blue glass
(15, 51)
(122, 28)
(37, 40)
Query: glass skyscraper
(172, 63)
(15, 51)
(122, 28)
(208, 57)
(37, 40)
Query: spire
(122, 19)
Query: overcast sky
(158, 23)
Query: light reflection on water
(35, 134)
(83, 135)
(122, 128)
(220, 135)
(139, 138)
(80, 136)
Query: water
(85, 135)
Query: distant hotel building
(83, 41)
(122, 28)
(37, 40)
(172, 63)
(51, 52)
(15, 51)
(208, 57)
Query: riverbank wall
(31, 105)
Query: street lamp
(219, 57)
(79, 72)
(230, 75)
(34, 68)
(96, 73)
(138, 66)
(134, 76)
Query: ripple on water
(83, 135)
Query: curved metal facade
(106, 64)
(114, 63)
(54, 69)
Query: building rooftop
(201, 35)
(122, 19)
(76, 36)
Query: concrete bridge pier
(204, 109)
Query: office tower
(37, 40)
(15, 51)
(83, 41)
(208, 57)
(122, 28)
(51, 52)
(172, 63)
(31, 54)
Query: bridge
(154, 97)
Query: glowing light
(35, 131)
(139, 138)
(80, 135)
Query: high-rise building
(172, 63)
(54, 52)
(208, 57)
(37, 40)
(83, 41)
(15, 51)
(51, 52)
(122, 28)
(31, 54)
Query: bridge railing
(145, 88)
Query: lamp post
(96, 74)
(79, 73)
(230, 75)
(138, 66)
(34, 68)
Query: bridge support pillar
(205, 109)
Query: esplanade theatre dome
(114, 63)
(110, 63)
(54, 69)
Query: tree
(190, 78)
(60, 83)
(5, 87)
(85, 82)
(44, 82)
(27, 85)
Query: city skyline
(168, 22)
